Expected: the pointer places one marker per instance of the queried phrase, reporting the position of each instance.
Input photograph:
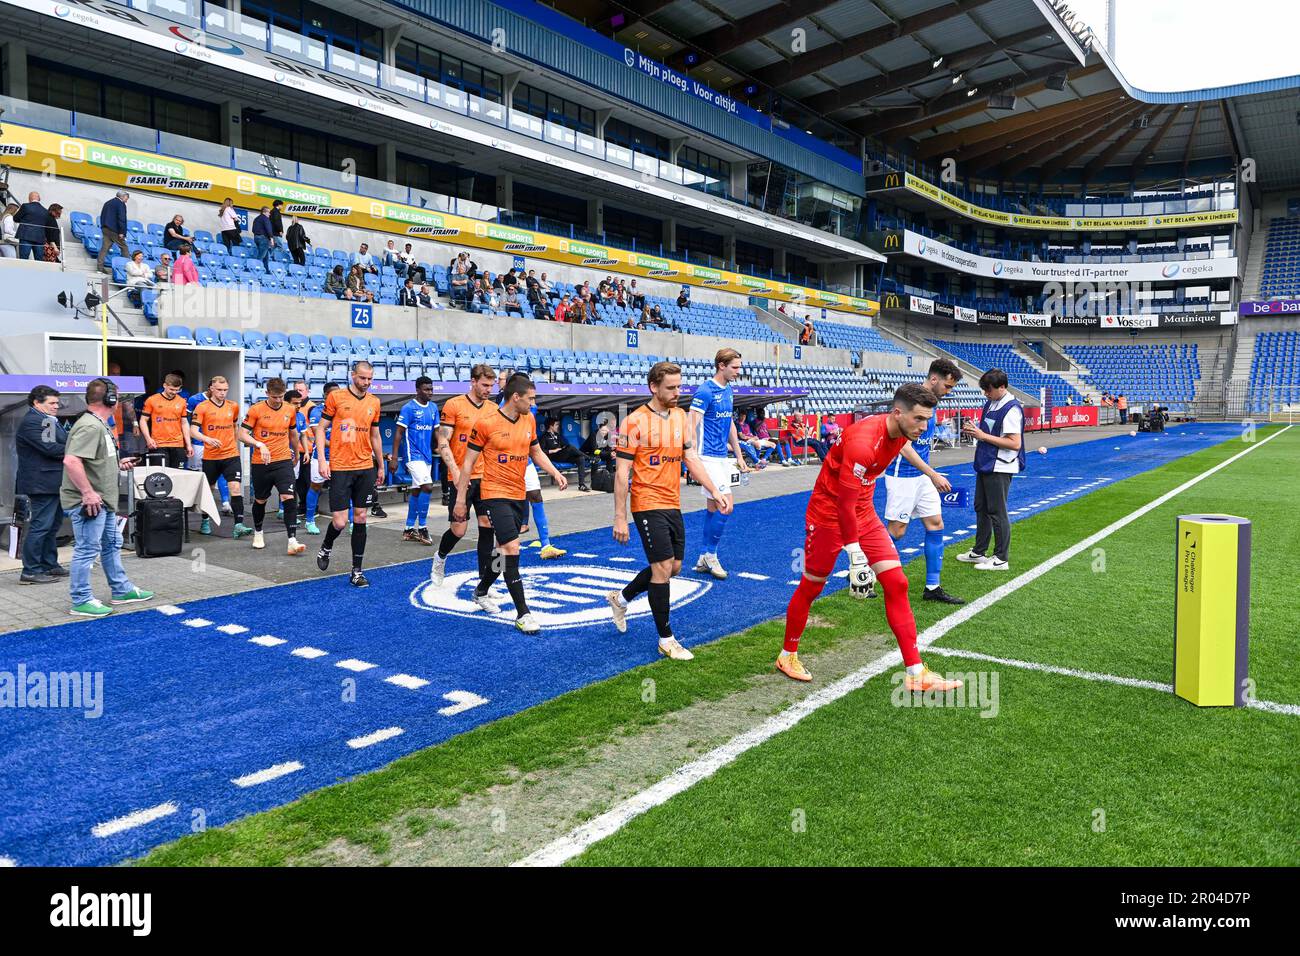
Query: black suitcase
(602, 479)
(159, 527)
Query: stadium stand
(1165, 373)
(1021, 375)
(1280, 277)
(1275, 370)
(856, 338)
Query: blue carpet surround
(219, 708)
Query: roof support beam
(721, 41)
(971, 138)
(1098, 162)
(1067, 146)
(995, 151)
(1187, 149)
(1140, 163)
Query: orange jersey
(217, 425)
(655, 444)
(271, 426)
(503, 448)
(459, 414)
(166, 419)
(350, 420)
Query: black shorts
(471, 501)
(227, 468)
(278, 474)
(176, 457)
(352, 488)
(663, 533)
(507, 517)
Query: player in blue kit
(416, 424)
(711, 423)
(912, 488)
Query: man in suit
(40, 441)
(112, 226)
(33, 221)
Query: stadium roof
(918, 75)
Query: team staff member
(505, 440)
(303, 484)
(841, 515)
(164, 422)
(654, 441)
(714, 427)
(271, 427)
(416, 424)
(355, 463)
(914, 488)
(459, 414)
(999, 457)
(213, 425)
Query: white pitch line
(623, 559)
(583, 554)
(683, 778)
(171, 610)
(378, 737)
(409, 681)
(6, 861)
(752, 576)
(196, 622)
(270, 773)
(311, 653)
(1273, 707)
(267, 640)
(573, 589)
(132, 820)
(352, 664)
(233, 629)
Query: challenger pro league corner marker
(1212, 609)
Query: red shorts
(823, 543)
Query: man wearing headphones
(88, 496)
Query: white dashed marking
(378, 737)
(352, 664)
(623, 559)
(311, 653)
(171, 610)
(461, 701)
(408, 681)
(583, 554)
(751, 576)
(270, 773)
(133, 820)
(266, 640)
(196, 622)
(233, 629)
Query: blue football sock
(719, 523)
(933, 557)
(223, 489)
(412, 508)
(422, 512)
(543, 527)
(706, 533)
(313, 497)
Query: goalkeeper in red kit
(841, 516)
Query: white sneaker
(488, 603)
(619, 610)
(528, 624)
(295, 548)
(259, 541)
(438, 571)
(711, 564)
(669, 647)
(972, 557)
(993, 564)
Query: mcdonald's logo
(892, 302)
(892, 181)
(891, 241)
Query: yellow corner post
(1212, 609)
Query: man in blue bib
(999, 457)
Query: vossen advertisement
(1018, 270)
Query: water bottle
(744, 478)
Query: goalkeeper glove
(862, 579)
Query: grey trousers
(991, 513)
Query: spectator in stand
(636, 298)
(298, 240)
(511, 301)
(558, 450)
(644, 320)
(608, 291)
(175, 236)
(365, 260)
(544, 284)
(88, 495)
(425, 294)
(112, 226)
(631, 323)
(277, 224)
(579, 314)
(1121, 402)
(229, 217)
(493, 280)
(808, 334)
(264, 236)
(485, 298)
(683, 300)
(407, 295)
(40, 442)
(336, 283)
(562, 309)
(541, 305)
(138, 276)
(393, 259)
(530, 281)
(459, 288)
(184, 272)
(54, 235)
(620, 294)
(407, 258)
(9, 233)
(356, 285)
(163, 273)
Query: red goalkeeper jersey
(843, 491)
